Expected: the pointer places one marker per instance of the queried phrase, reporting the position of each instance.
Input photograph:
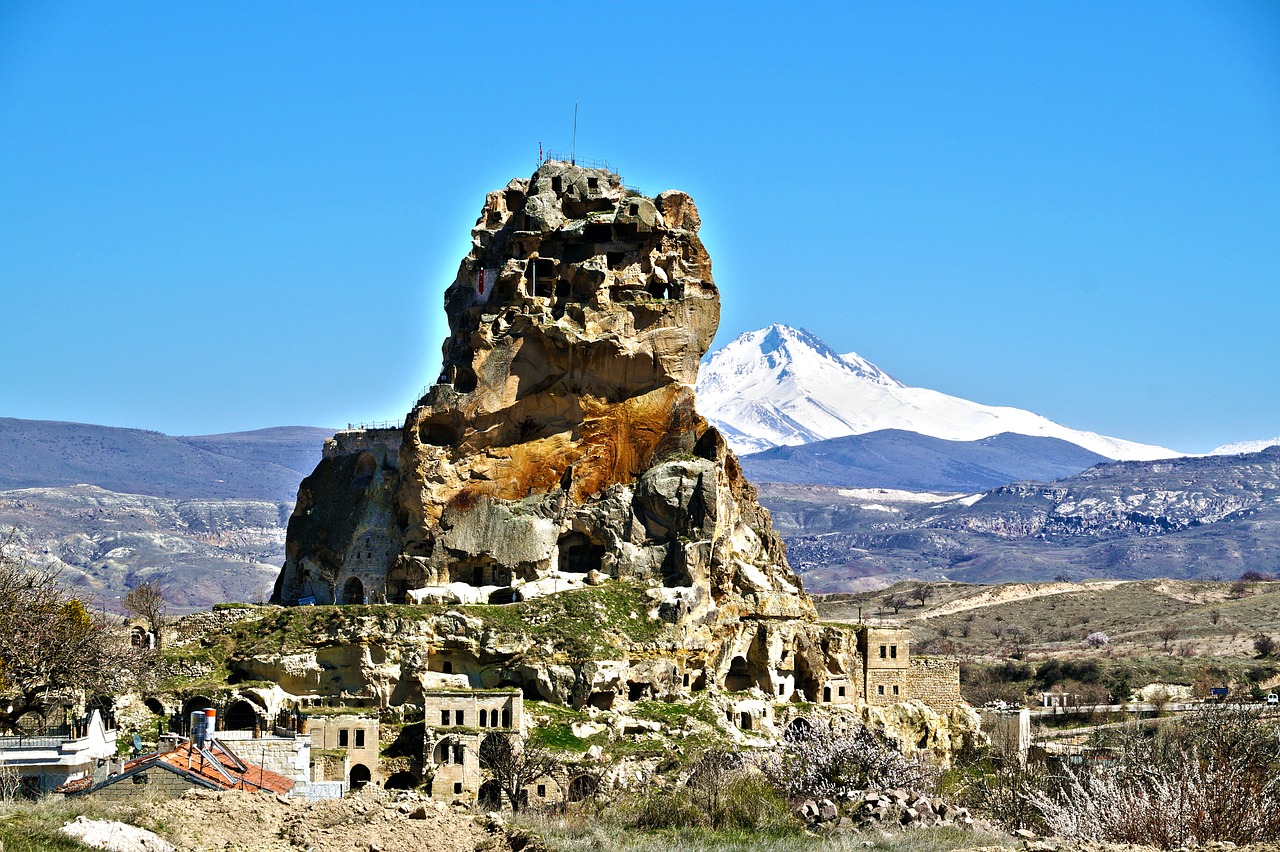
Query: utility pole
(573, 149)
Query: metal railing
(585, 163)
(377, 424)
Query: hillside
(202, 551)
(203, 515)
(893, 458)
(265, 464)
(1021, 637)
(1188, 518)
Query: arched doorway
(240, 716)
(738, 679)
(353, 591)
(799, 729)
(580, 788)
(359, 776)
(490, 798)
(495, 752)
(154, 705)
(403, 781)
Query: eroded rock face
(561, 441)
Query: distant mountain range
(265, 464)
(893, 458)
(781, 386)
(1205, 517)
(203, 515)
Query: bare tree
(1168, 633)
(1215, 616)
(51, 646)
(1265, 645)
(146, 600)
(923, 592)
(895, 602)
(514, 763)
(1018, 639)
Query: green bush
(663, 809)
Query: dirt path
(1009, 592)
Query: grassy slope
(1211, 632)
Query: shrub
(1211, 778)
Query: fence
(579, 161)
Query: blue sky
(227, 216)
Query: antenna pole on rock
(573, 149)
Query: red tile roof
(217, 766)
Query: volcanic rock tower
(560, 446)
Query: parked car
(1273, 699)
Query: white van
(1273, 699)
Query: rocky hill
(560, 449)
(1208, 517)
(202, 515)
(897, 459)
(202, 552)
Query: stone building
(347, 747)
(457, 723)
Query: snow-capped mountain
(1238, 447)
(782, 386)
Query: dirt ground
(373, 821)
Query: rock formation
(561, 441)
(560, 449)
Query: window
(895, 689)
(542, 791)
(457, 787)
(446, 667)
(633, 210)
(344, 738)
(444, 717)
(781, 689)
(884, 651)
(484, 718)
(592, 183)
(459, 717)
(880, 689)
(893, 651)
(686, 679)
(359, 737)
(506, 717)
(141, 778)
(842, 692)
(457, 752)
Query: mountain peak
(784, 386)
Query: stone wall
(934, 681)
(288, 756)
(356, 440)
(152, 785)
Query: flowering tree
(817, 759)
(1215, 777)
